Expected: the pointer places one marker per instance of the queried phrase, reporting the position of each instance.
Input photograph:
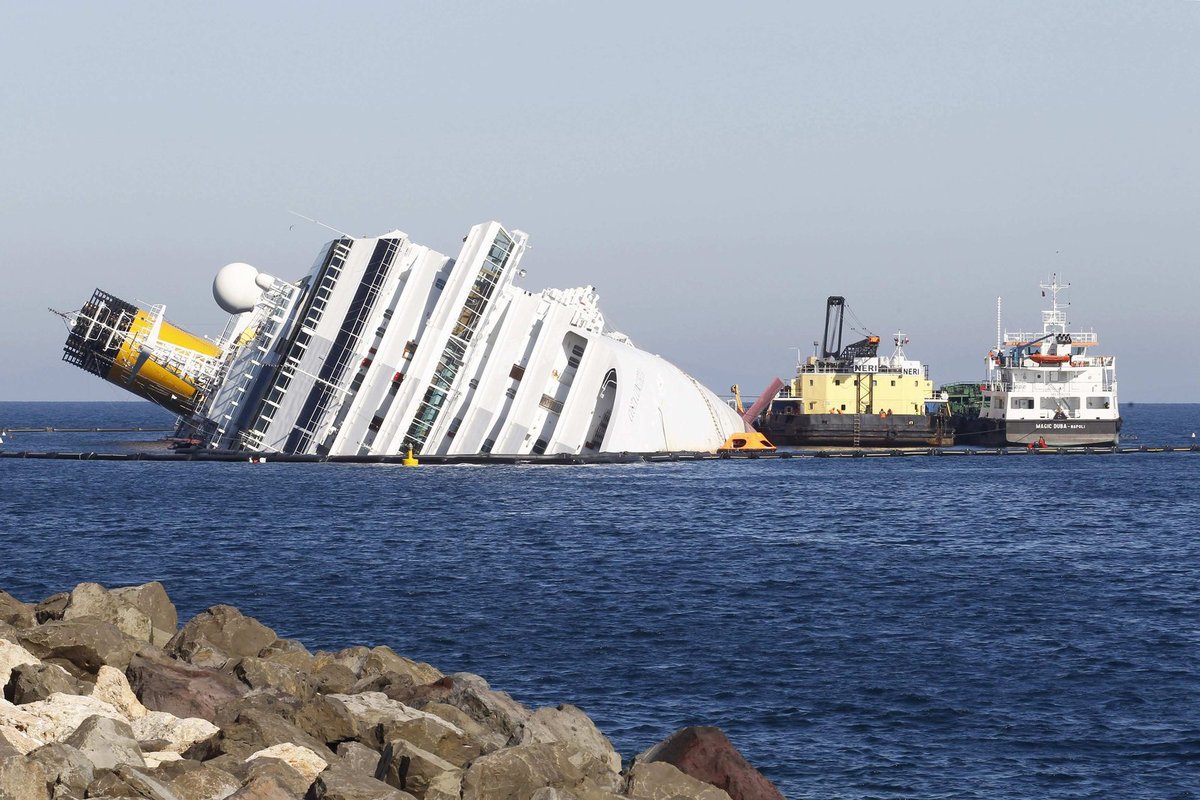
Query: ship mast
(1054, 319)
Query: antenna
(999, 335)
(318, 222)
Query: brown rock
(515, 773)
(52, 607)
(495, 711)
(705, 753)
(214, 636)
(263, 788)
(22, 779)
(68, 771)
(437, 736)
(382, 660)
(338, 783)
(163, 684)
(126, 780)
(486, 739)
(289, 652)
(334, 679)
(410, 768)
(279, 771)
(252, 730)
(418, 696)
(152, 600)
(327, 719)
(446, 786)
(93, 600)
(568, 724)
(32, 682)
(357, 757)
(659, 780)
(258, 673)
(81, 646)
(16, 613)
(191, 780)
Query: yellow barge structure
(854, 397)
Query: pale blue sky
(715, 170)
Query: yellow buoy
(409, 461)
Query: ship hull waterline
(1053, 432)
(838, 430)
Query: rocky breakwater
(106, 697)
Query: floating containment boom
(387, 345)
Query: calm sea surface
(992, 627)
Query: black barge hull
(870, 430)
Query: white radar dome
(238, 287)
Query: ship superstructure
(1048, 388)
(853, 396)
(387, 345)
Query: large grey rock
(152, 600)
(164, 684)
(106, 742)
(515, 773)
(81, 646)
(22, 779)
(410, 768)
(342, 784)
(32, 682)
(67, 769)
(705, 753)
(567, 723)
(214, 636)
(14, 612)
(93, 600)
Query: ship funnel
(238, 287)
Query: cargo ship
(387, 346)
(1045, 388)
(853, 397)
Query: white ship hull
(388, 345)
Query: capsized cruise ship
(387, 345)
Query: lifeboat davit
(1042, 358)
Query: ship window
(487, 445)
(511, 392)
(843, 406)
(837, 382)
(440, 283)
(550, 404)
(517, 372)
(454, 426)
(810, 381)
(893, 383)
(539, 447)
(376, 423)
(410, 348)
(473, 383)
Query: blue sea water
(991, 627)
